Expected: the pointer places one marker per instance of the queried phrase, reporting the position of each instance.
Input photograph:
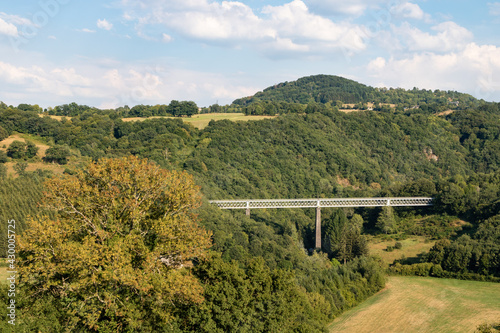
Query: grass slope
(75, 159)
(415, 304)
(412, 247)
(201, 121)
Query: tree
(3, 171)
(174, 108)
(31, 149)
(3, 157)
(57, 154)
(17, 149)
(115, 256)
(20, 168)
(189, 108)
(386, 221)
(3, 133)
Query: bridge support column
(318, 227)
(247, 211)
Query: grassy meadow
(201, 121)
(412, 247)
(416, 304)
(37, 162)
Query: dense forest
(262, 273)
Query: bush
(398, 245)
(17, 150)
(389, 248)
(3, 157)
(57, 154)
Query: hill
(335, 91)
(309, 150)
(317, 88)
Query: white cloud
(166, 38)
(494, 8)
(104, 24)
(294, 21)
(291, 26)
(475, 69)
(449, 36)
(15, 19)
(8, 29)
(111, 84)
(88, 30)
(409, 10)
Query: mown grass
(201, 121)
(416, 304)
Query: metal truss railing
(322, 203)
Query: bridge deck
(322, 203)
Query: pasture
(417, 304)
(412, 247)
(201, 120)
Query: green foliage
(3, 133)
(3, 157)
(319, 88)
(321, 92)
(310, 150)
(31, 149)
(20, 168)
(57, 154)
(113, 257)
(487, 328)
(386, 221)
(253, 299)
(19, 198)
(17, 150)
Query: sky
(110, 53)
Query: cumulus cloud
(475, 69)
(10, 24)
(113, 84)
(448, 36)
(8, 29)
(291, 26)
(104, 24)
(409, 10)
(15, 19)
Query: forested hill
(317, 88)
(335, 91)
(263, 261)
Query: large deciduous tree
(117, 256)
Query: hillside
(318, 88)
(335, 91)
(309, 150)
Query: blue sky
(128, 52)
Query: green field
(412, 247)
(201, 120)
(415, 304)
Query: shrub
(398, 245)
